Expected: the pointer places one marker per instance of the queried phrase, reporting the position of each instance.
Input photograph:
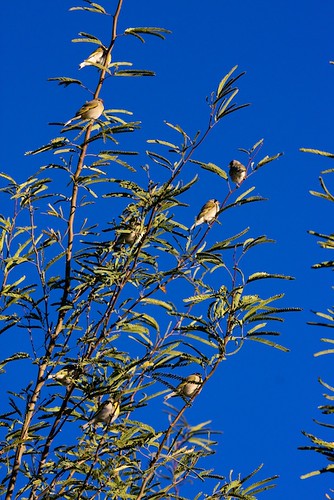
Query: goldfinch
(106, 413)
(97, 57)
(237, 171)
(188, 387)
(66, 375)
(207, 214)
(91, 110)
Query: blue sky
(264, 397)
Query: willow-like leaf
(161, 160)
(209, 343)
(95, 8)
(65, 81)
(212, 168)
(147, 31)
(87, 37)
(267, 159)
(320, 265)
(163, 143)
(269, 343)
(14, 357)
(55, 143)
(251, 242)
(224, 80)
(264, 275)
(134, 72)
(317, 152)
(169, 306)
(210, 258)
(257, 145)
(196, 299)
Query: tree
(320, 445)
(90, 298)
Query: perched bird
(237, 171)
(66, 375)
(207, 214)
(99, 56)
(188, 387)
(128, 236)
(91, 110)
(106, 413)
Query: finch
(188, 387)
(91, 110)
(66, 375)
(106, 413)
(237, 171)
(99, 56)
(129, 236)
(207, 214)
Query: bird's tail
(68, 122)
(170, 395)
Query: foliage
(326, 320)
(134, 301)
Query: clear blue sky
(261, 399)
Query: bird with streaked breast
(66, 375)
(207, 213)
(188, 387)
(91, 110)
(106, 413)
(237, 171)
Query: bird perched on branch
(129, 235)
(99, 56)
(188, 387)
(91, 110)
(66, 375)
(237, 171)
(207, 214)
(106, 413)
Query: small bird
(207, 214)
(91, 110)
(237, 171)
(66, 375)
(106, 413)
(129, 236)
(99, 56)
(188, 387)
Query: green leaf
(65, 81)
(244, 194)
(267, 159)
(162, 143)
(210, 343)
(321, 353)
(269, 343)
(147, 31)
(212, 168)
(14, 357)
(317, 152)
(96, 8)
(224, 106)
(134, 72)
(196, 299)
(224, 80)
(55, 143)
(166, 305)
(264, 275)
(252, 242)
